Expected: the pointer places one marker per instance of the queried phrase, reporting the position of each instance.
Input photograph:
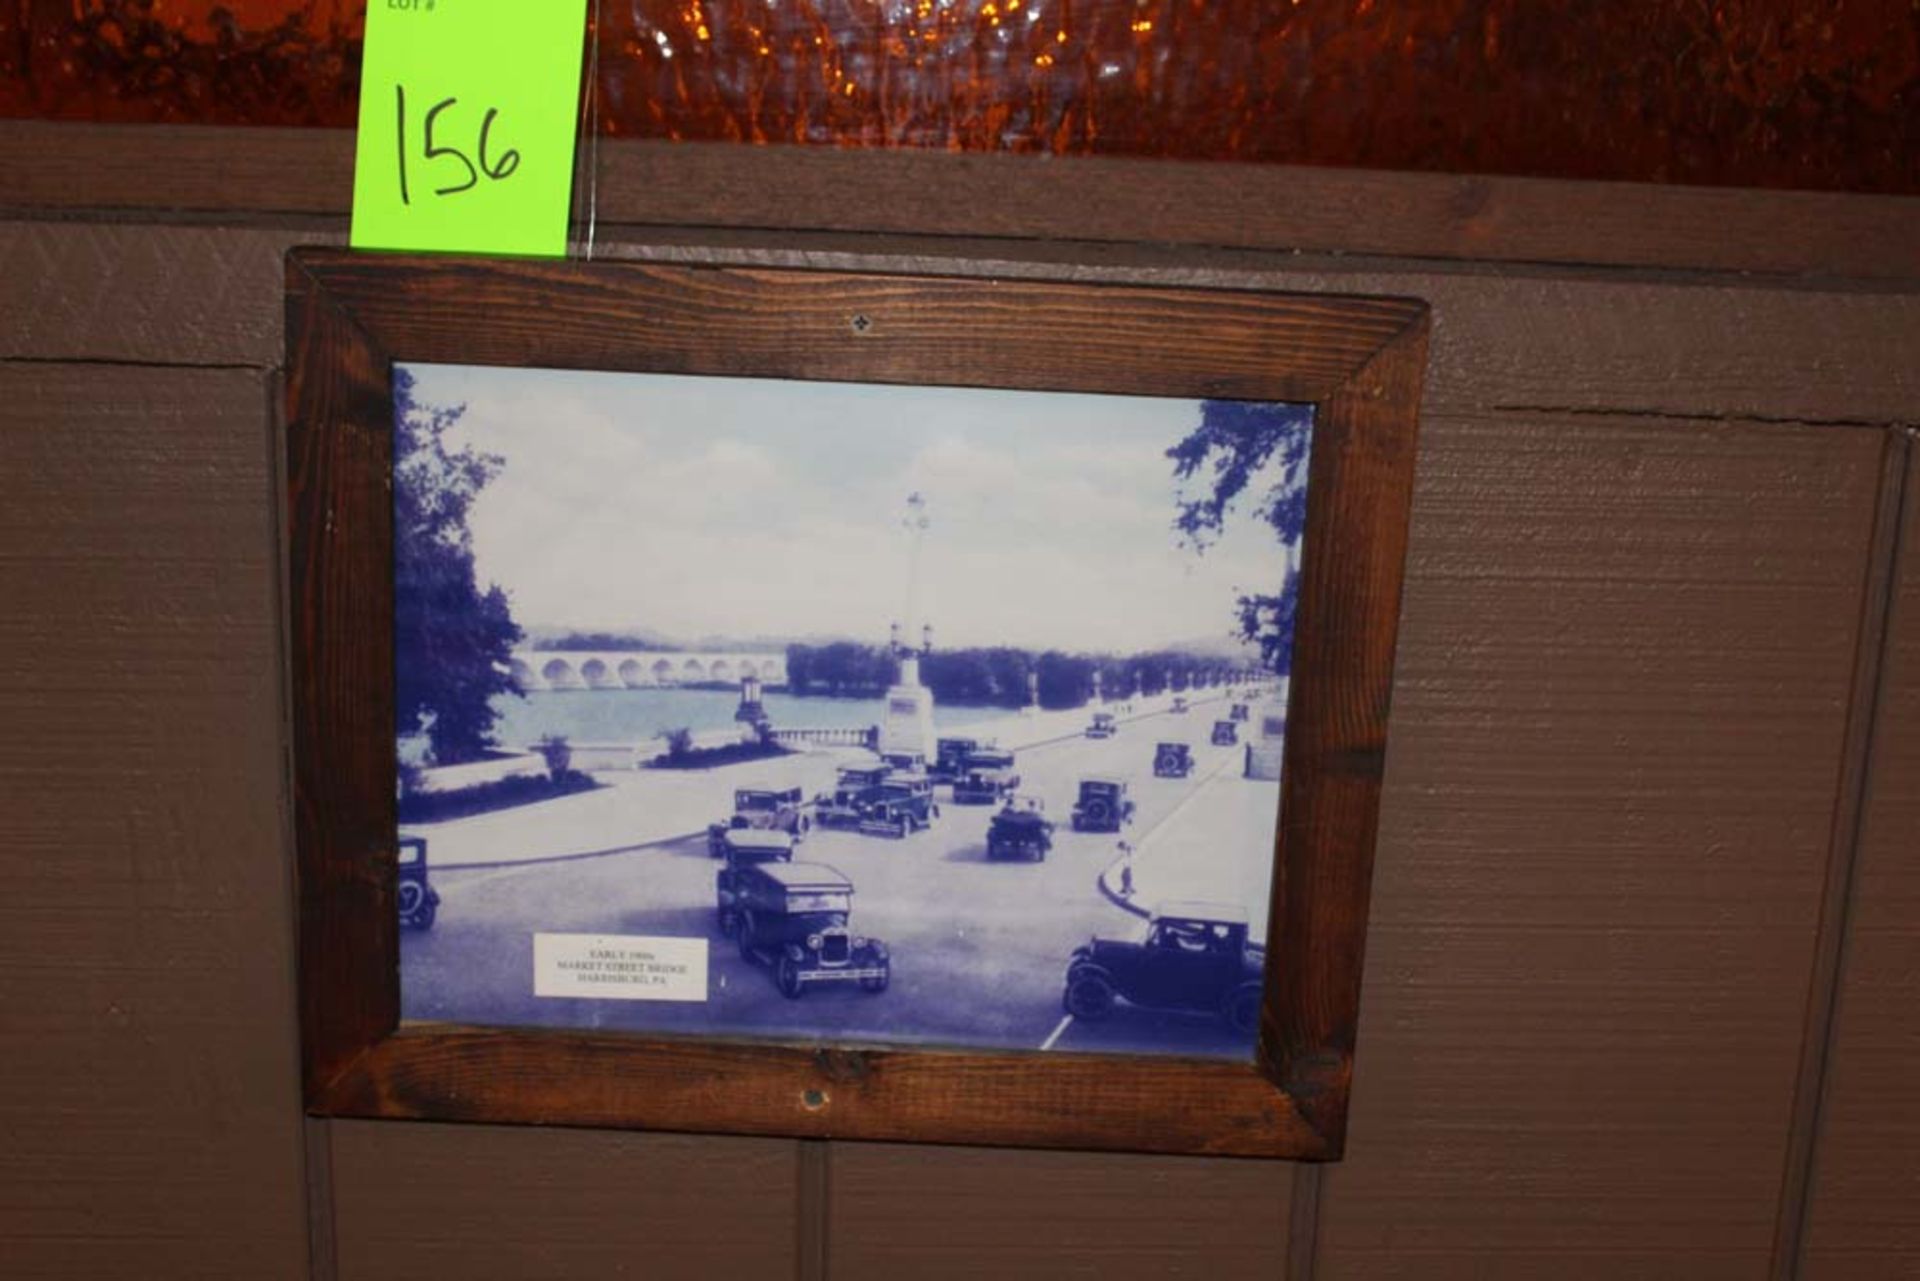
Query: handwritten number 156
(508, 162)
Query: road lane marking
(482, 874)
(1065, 1023)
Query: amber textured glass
(1797, 93)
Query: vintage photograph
(855, 713)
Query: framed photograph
(867, 706)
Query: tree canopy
(1237, 443)
(452, 639)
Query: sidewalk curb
(1118, 899)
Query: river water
(635, 715)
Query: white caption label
(620, 967)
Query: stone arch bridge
(541, 669)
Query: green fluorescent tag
(467, 123)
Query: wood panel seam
(1303, 1221)
(813, 1185)
(1733, 417)
(1880, 582)
(127, 362)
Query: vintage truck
(1102, 726)
(793, 918)
(1195, 956)
(419, 901)
(1103, 805)
(744, 848)
(1020, 829)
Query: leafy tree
(1008, 668)
(452, 640)
(840, 669)
(1065, 680)
(1236, 442)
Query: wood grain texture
(1622, 689)
(483, 1203)
(149, 1112)
(1864, 1217)
(1500, 338)
(798, 189)
(936, 1213)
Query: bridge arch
(692, 670)
(663, 671)
(597, 674)
(633, 674)
(719, 670)
(559, 674)
(521, 674)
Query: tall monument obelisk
(906, 728)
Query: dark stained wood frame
(350, 316)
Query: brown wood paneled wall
(1640, 998)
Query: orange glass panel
(1754, 92)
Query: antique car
(950, 758)
(1172, 760)
(841, 807)
(762, 808)
(1103, 805)
(793, 918)
(905, 762)
(901, 804)
(1237, 712)
(1103, 726)
(1020, 829)
(1225, 734)
(984, 785)
(1195, 956)
(743, 848)
(419, 901)
(1179, 703)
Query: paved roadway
(979, 948)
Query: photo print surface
(845, 713)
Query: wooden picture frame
(1359, 361)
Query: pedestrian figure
(1126, 870)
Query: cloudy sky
(740, 507)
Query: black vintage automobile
(1225, 734)
(1102, 725)
(950, 758)
(1172, 760)
(1103, 805)
(898, 806)
(842, 806)
(744, 848)
(1020, 829)
(1238, 712)
(985, 778)
(419, 901)
(793, 917)
(766, 808)
(1195, 956)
